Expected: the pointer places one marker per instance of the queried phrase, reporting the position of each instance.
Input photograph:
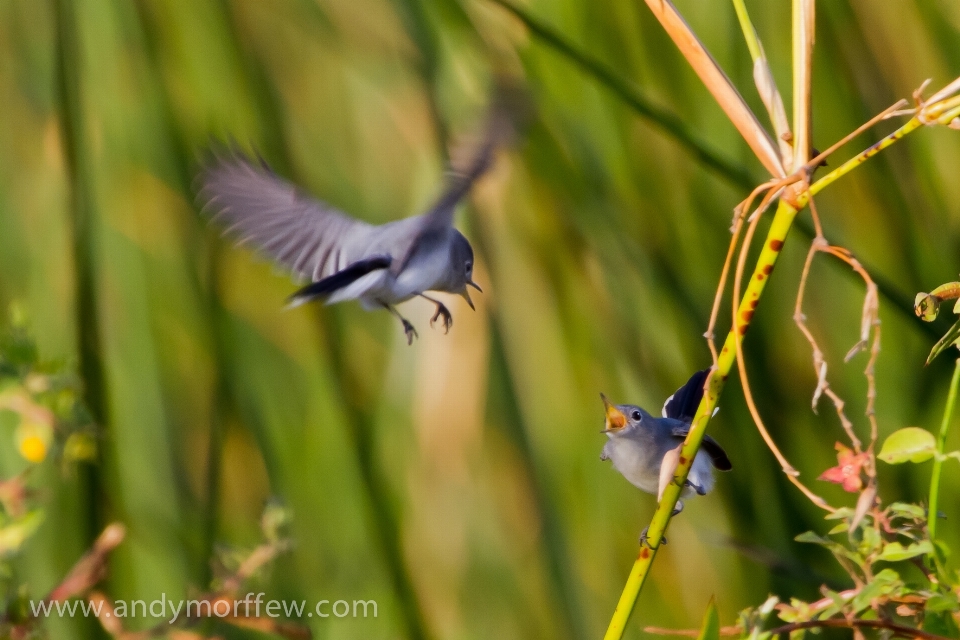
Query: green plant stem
(782, 221)
(772, 247)
(860, 158)
(938, 459)
(749, 32)
(735, 174)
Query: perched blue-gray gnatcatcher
(638, 443)
(347, 259)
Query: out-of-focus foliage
(927, 306)
(455, 482)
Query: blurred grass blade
(82, 220)
(386, 529)
(718, 84)
(710, 628)
(634, 97)
(938, 460)
(766, 85)
(803, 37)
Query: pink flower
(847, 472)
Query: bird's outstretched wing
(259, 208)
(682, 405)
(679, 430)
(505, 112)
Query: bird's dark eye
(469, 266)
(636, 415)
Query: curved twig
(788, 469)
(843, 623)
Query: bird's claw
(442, 312)
(696, 487)
(645, 541)
(410, 331)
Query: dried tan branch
(819, 363)
(804, 13)
(736, 227)
(90, 568)
(788, 469)
(883, 115)
(269, 625)
(718, 84)
(258, 558)
(691, 633)
(843, 623)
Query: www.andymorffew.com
(171, 609)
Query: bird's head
(462, 265)
(622, 419)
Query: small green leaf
(894, 552)
(813, 538)
(943, 550)
(907, 510)
(941, 624)
(911, 444)
(940, 602)
(840, 528)
(842, 512)
(948, 340)
(710, 629)
(870, 542)
(886, 582)
(16, 533)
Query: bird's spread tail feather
(326, 287)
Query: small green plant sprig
(927, 307)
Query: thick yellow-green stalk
(728, 355)
(773, 244)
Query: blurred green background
(457, 482)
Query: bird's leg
(442, 312)
(407, 327)
(696, 487)
(645, 541)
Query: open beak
(466, 293)
(466, 296)
(615, 420)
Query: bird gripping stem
(773, 244)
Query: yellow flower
(33, 441)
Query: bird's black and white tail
(326, 287)
(682, 405)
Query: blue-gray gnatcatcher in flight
(345, 258)
(640, 445)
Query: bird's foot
(696, 487)
(409, 330)
(442, 312)
(677, 508)
(645, 541)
